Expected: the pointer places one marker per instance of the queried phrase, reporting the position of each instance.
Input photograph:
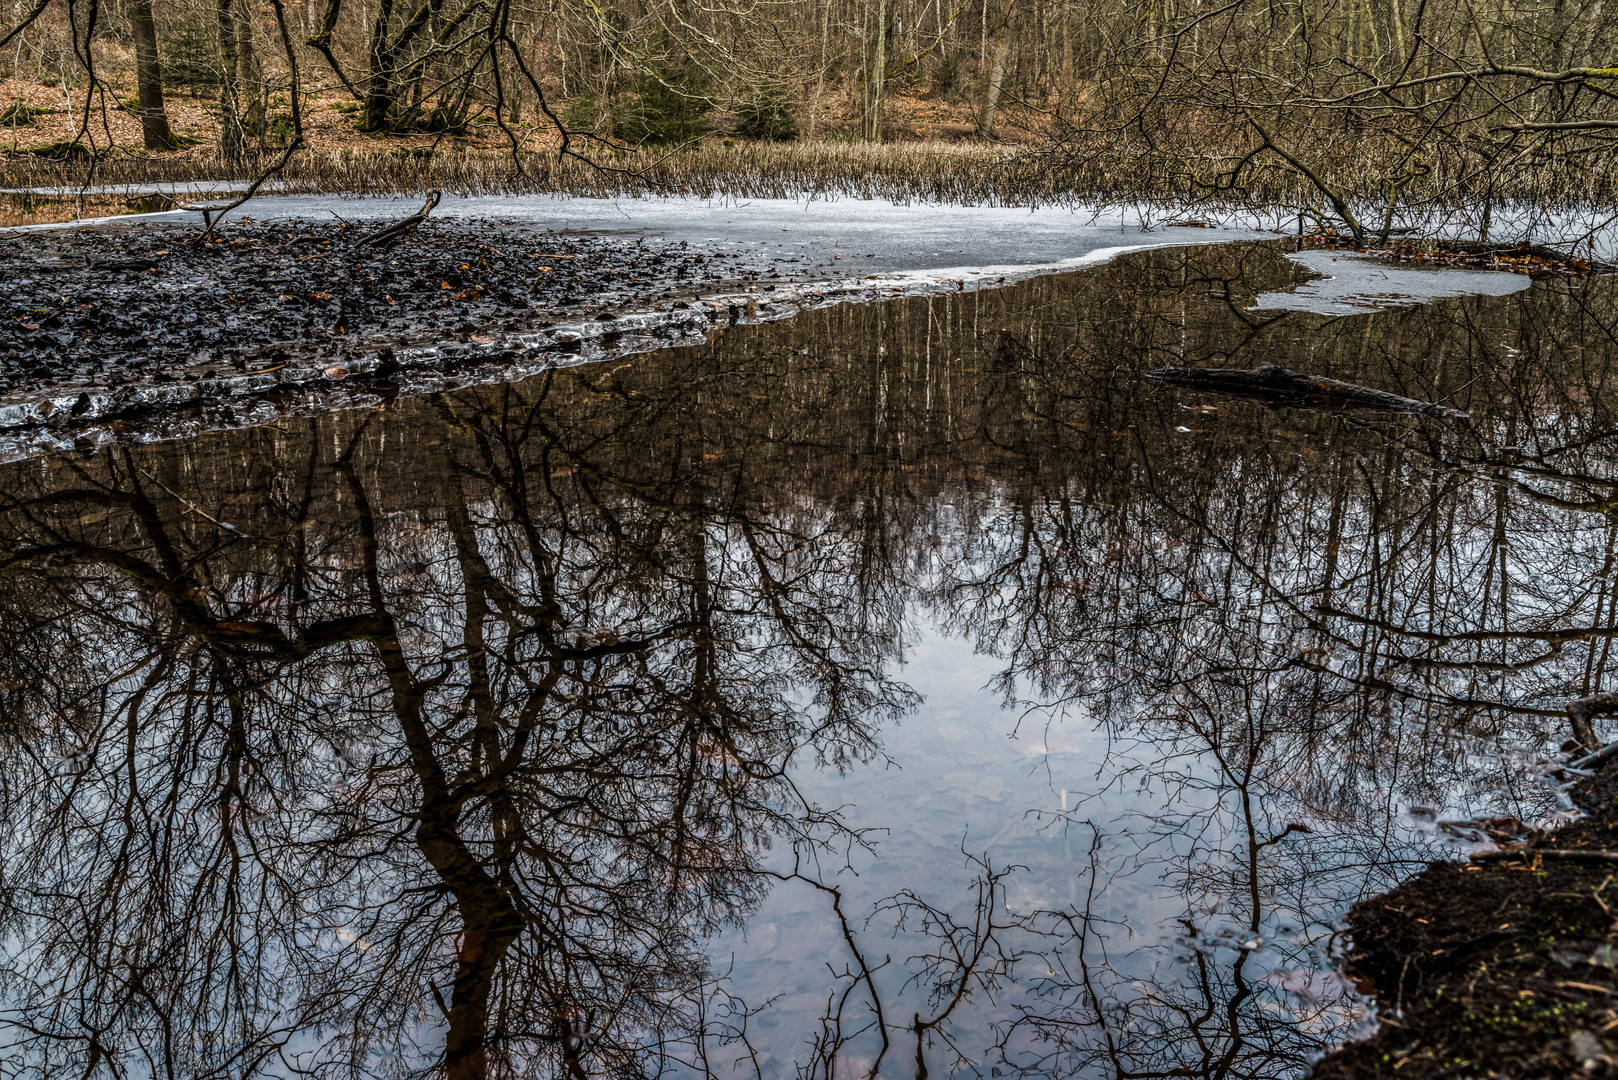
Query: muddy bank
(120, 322)
(122, 304)
(1503, 966)
(139, 330)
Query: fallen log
(399, 228)
(1580, 711)
(1279, 386)
(1549, 255)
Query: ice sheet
(1354, 283)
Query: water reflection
(637, 718)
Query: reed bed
(1056, 172)
(905, 173)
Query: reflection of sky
(1125, 588)
(969, 775)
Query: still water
(908, 689)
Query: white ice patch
(803, 239)
(1354, 283)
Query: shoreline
(134, 331)
(1504, 965)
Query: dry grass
(934, 173)
(1031, 171)
(917, 172)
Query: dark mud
(1505, 966)
(119, 304)
(116, 322)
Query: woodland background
(1363, 114)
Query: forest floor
(1504, 966)
(40, 116)
(930, 154)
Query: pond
(909, 688)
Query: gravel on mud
(109, 319)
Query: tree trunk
(154, 122)
(491, 925)
(997, 76)
(231, 142)
(252, 89)
(876, 76)
(1065, 93)
(379, 99)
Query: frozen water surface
(903, 245)
(835, 236)
(1351, 283)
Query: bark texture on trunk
(251, 90)
(997, 77)
(154, 121)
(232, 143)
(876, 77)
(379, 83)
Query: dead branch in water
(1278, 386)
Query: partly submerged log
(1279, 386)
(399, 228)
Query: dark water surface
(908, 687)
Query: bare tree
(154, 121)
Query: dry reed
(932, 173)
(1053, 173)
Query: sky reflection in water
(910, 682)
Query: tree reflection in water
(444, 738)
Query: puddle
(1352, 283)
(750, 706)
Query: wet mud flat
(118, 320)
(1503, 966)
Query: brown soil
(1505, 966)
(329, 119)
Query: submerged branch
(1279, 386)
